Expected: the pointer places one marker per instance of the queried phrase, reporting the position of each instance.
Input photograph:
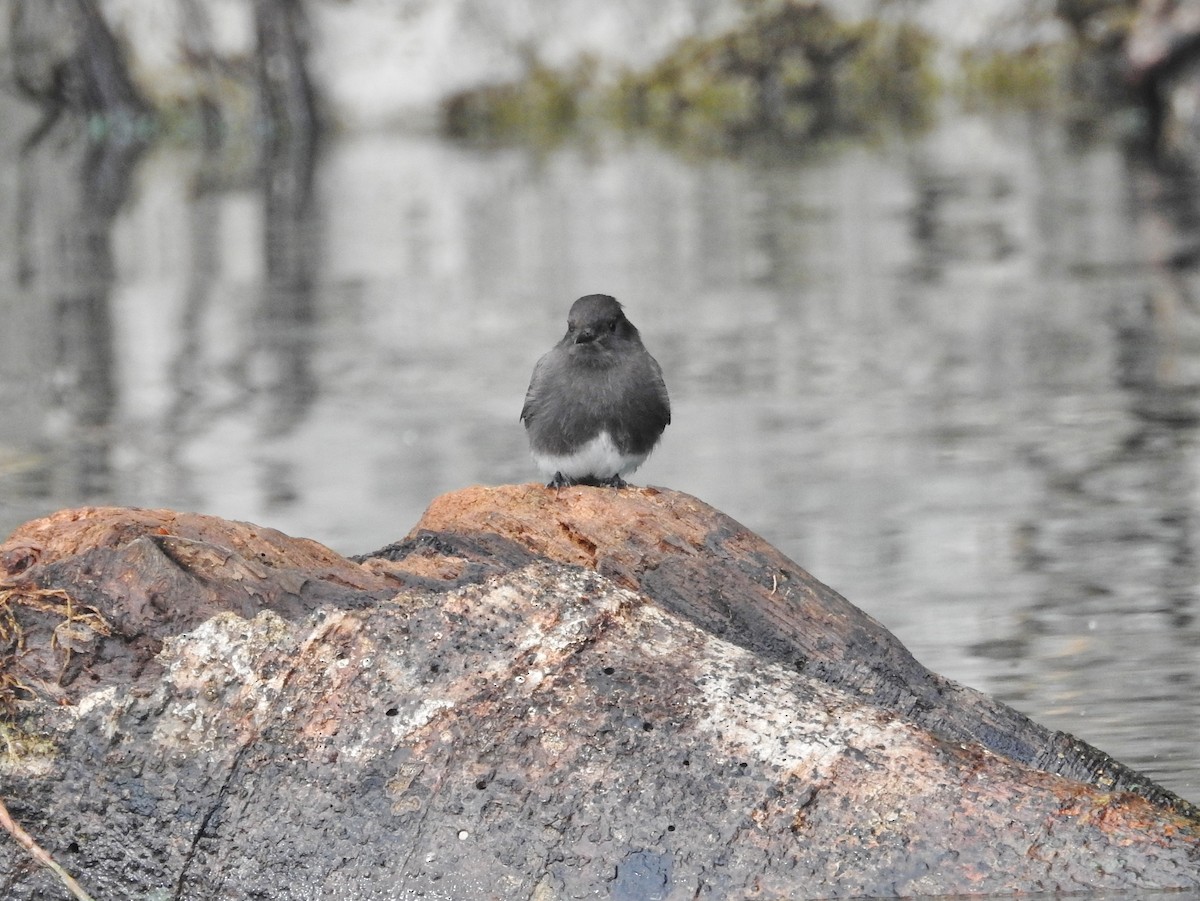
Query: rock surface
(537, 694)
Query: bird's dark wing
(661, 386)
(531, 392)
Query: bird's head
(598, 322)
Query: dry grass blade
(57, 602)
(78, 624)
(25, 840)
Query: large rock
(537, 694)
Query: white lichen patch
(511, 637)
(104, 697)
(421, 716)
(217, 667)
(566, 622)
(25, 754)
(562, 624)
(764, 711)
(226, 645)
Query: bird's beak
(585, 336)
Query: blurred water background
(953, 372)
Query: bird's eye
(612, 326)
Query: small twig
(76, 625)
(25, 840)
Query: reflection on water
(956, 378)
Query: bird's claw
(561, 481)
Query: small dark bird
(596, 404)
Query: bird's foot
(562, 481)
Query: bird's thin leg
(559, 481)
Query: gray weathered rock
(538, 694)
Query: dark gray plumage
(596, 404)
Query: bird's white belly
(599, 458)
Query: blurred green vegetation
(1086, 71)
(791, 72)
(1029, 77)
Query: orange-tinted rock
(475, 713)
(699, 564)
(96, 590)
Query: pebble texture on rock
(537, 694)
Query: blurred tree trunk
(286, 95)
(1162, 53)
(288, 108)
(66, 57)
